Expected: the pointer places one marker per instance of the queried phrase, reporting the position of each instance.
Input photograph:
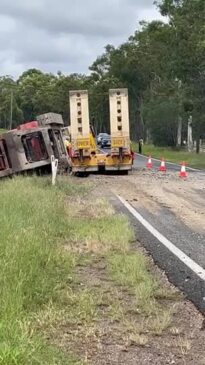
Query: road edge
(191, 285)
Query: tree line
(162, 64)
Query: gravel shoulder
(154, 190)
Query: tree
(10, 112)
(186, 17)
(118, 68)
(35, 93)
(60, 93)
(137, 64)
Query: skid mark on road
(191, 264)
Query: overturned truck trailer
(5, 165)
(30, 146)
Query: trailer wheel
(82, 174)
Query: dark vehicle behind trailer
(100, 137)
(106, 142)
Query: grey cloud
(64, 34)
(105, 18)
(79, 16)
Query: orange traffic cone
(183, 172)
(149, 163)
(163, 166)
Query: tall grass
(40, 228)
(130, 270)
(103, 234)
(33, 220)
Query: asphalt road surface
(187, 276)
(141, 160)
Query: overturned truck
(31, 145)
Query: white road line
(169, 163)
(197, 269)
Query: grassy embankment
(191, 158)
(45, 234)
(2, 130)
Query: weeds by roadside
(34, 271)
(38, 284)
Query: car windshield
(106, 136)
(103, 135)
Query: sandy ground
(153, 190)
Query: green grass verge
(34, 270)
(130, 270)
(2, 130)
(191, 158)
(103, 234)
(45, 232)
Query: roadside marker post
(54, 168)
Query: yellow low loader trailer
(84, 149)
(120, 158)
(86, 157)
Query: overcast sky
(64, 35)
